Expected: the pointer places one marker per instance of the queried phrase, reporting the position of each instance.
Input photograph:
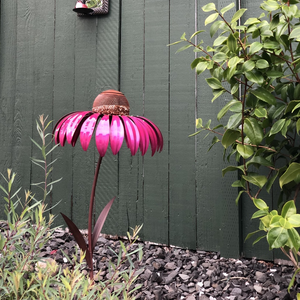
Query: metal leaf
(100, 222)
(78, 238)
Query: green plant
(24, 274)
(257, 64)
(44, 162)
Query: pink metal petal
(57, 127)
(102, 135)
(160, 140)
(132, 135)
(74, 123)
(63, 129)
(116, 134)
(144, 136)
(152, 136)
(87, 130)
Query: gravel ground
(174, 273)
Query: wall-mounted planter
(82, 9)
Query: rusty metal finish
(111, 102)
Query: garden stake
(111, 122)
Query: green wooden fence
(53, 62)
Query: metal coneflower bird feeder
(111, 123)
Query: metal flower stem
(92, 200)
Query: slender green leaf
(238, 197)
(255, 76)
(227, 8)
(224, 110)
(231, 168)
(238, 15)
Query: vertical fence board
(156, 109)
(43, 83)
(107, 77)
(182, 119)
(131, 84)
(63, 103)
(8, 48)
(84, 94)
(22, 128)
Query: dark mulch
(174, 273)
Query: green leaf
(259, 160)
(255, 47)
(277, 237)
(211, 18)
(270, 182)
(229, 137)
(219, 57)
(238, 15)
(248, 66)
(201, 67)
(261, 112)
(238, 197)
(232, 43)
(294, 237)
(183, 48)
(234, 61)
(259, 214)
(255, 76)
(219, 40)
(253, 131)
(244, 150)
(298, 125)
(214, 83)
(217, 95)
(258, 180)
(238, 183)
(288, 209)
(264, 95)
(252, 21)
(231, 168)
(199, 123)
(270, 5)
(262, 64)
(215, 27)
(295, 33)
(291, 174)
(209, 7)
(224, 110)
(294, 220)
(234, 121)
(196, 33)
(227, 8)
(260, 204)
(277, 126)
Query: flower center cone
(111, 102)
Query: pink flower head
(110, 121)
